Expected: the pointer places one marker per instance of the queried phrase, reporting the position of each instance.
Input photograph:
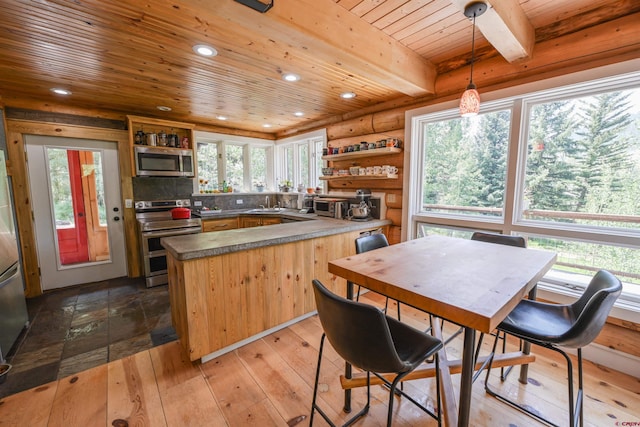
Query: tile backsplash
(158, 188)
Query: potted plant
(286, 186)
(259, 186)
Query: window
(208, 167)
(560, 167)
(465, 164)
(244, 163)
(301, 159)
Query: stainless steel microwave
(157, 161)
(334, 208)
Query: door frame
(18, 170)
(55, 274)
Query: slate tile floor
(77, 328)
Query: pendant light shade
(470, 101)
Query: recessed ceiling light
(298, 114)
(163, 108)
(204, 50)
(347, 95)
(221, 118)
(60, 91)
(266, 125)
(290, 77)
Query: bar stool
(374, 342)
(369, 243)
(562, 325)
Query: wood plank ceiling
(129, 57)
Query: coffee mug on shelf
(369, 170)
(377, 170)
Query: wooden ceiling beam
(506, 27)
(326, 31)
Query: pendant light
(470, 101)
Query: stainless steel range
(154, 222)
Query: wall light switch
(128, 203)
(197, 203)
(239, 202)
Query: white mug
(385, 169)
(377, 170)
(369, 170)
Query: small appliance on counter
(330, 206)
(307, 203)
(361, 206)
(362, 209)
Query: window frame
(222, 141)
(593, 82)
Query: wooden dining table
(473, 284)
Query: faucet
(267, 201)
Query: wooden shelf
(356, 177)
(364, 153)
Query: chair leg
(393, 389)
(575, 412)
(391, 396)
(314, 405)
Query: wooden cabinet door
(271, 221)
(250, 221)
(219, 224)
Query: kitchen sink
(267, 210)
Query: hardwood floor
(269, 383)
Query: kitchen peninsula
(230, 287)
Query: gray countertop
(193, 246)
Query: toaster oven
(331, 207)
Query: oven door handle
(169, 233)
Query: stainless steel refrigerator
(13, 306)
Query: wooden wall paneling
(177, 301)
(354, 127)
(303, 295)
(197, 284)
(255, 286)
(394, 235)
(621, 338)
(388, 120)
(235, 313)
(395, 215)
(370, 137)
(18, 170)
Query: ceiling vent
(257, 5)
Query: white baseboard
(245, 341)
(612, 359)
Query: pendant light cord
(473, 52)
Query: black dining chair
(374, 342)
(562, 325)
(369, 243)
